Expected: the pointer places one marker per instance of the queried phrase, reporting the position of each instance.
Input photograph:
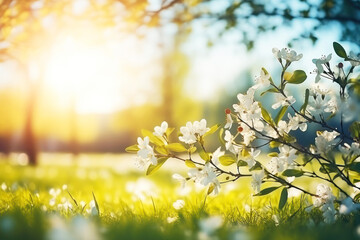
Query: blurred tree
(250, 18)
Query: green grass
(52, 201)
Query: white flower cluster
(192, 131)
(146, 155)
(325, 200)
(286, 54)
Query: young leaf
(355, 130)
(154, 139)
(227, 160)
(340, 51)
(266, 191)
(303, 107)
(273, 90)
(292, 173)
(266, 115)
(132, 149)
(221, 139)
(190, 163)
(283, 198)
(280, 114)
(273, 154)
(204, 155)
(274, 144)
(298, 76)
(241, 163)
(169, 131)
(153, 168)
(257, 166)
(176, 147)
(162, 150)
(212, 130)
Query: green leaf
(280, 114)
(227, 160)
(132, 149)
(190, 163)
(221, 139)
(162, 150)
(328, 168)
(298, 76)
(204, 155)
(340, 51)
(355, 166)
(257, 166)
(274, 144)
(292, 173)
(96, 203)
(192, 149)
(212, 130)
(303, 107)
(152, 168)
(169, 131)
(241, 163)
(266, 115)
(283, 198)
(176, 147)
(273, 154)
(357, 197)
(355, 130)
(273, 90)
(154, 139)
(266, 191)
(266, 73)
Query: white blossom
(319, 65)
(282, 101)
(257, 177)
(297, 122)
(262, 80)
(325, 140)
(205, 177)
(145, 155)
(324, 195)
(355, 57)
(276, 165)
(215, 156)
(191, 131)
(229, 121)
(286, 54)
(288, 154)
(161, 130)
(251, 158)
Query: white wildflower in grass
(179, 204)
(319, 65)
(145, 155)
(161, 130)
(257, 177)
(92, 209)
(172, 219)
(215, 156)
(275, 218)
(281, 101)
(211, 224)
(54, 192)
(262, 80)
(356, 57)
(143, 189)
(64, 187)
(52, 202)
(348, 206)
(325, 141)
(3, 186)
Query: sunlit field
(106, 197)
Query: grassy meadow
(106, 197)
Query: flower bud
(240, 129)
(227, 111)
(340, 65)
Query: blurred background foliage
(87, 75)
